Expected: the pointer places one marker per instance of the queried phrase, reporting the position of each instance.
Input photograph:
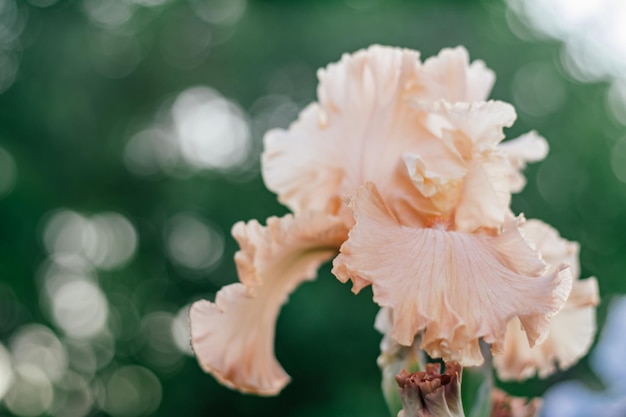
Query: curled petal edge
(233, 338)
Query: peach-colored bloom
(571, 331)
(455, 267)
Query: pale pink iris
(416, 152)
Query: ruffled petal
(486, 197)
(451, 77)
(438, 176)
(456, 287)
(301, 168)
(530, 147)
(476, 124)
(378, 108)
(571, 330)
(471, 179)
(571, 333)
(233, 338)
(356, 133)
(554, 249)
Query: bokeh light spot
(31, 393)
(13, 19)
(203, 131)
(180, 330)
(55, 275)
(6, 371)
(107, 240)
(592, 32)
(618, 160)
(64, 232)
(36, 345)
(108, 13)
(193, 242)
(80, 309)
(73, 397)
(211, 130)
(150, 152)
(616, 101)
(113, 243)
(150, 3)
(132, 391)
(160, 349)
(538, 89)
(82, 357)
(103, 347)
(219, 11)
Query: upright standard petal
(469, 179)
(571, 330)
(380, 107)
(486, 197)
(233, 338)
(451, 77)
(356, 133)
(456, 287)
(478, 126)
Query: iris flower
(398, 172)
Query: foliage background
(85, 86)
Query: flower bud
(430, 393)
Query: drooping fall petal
(233, 338)
(571, 330)
(456, 287)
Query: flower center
(438, 222)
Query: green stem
(477, 386)
(393, 359)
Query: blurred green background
(130, 132)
